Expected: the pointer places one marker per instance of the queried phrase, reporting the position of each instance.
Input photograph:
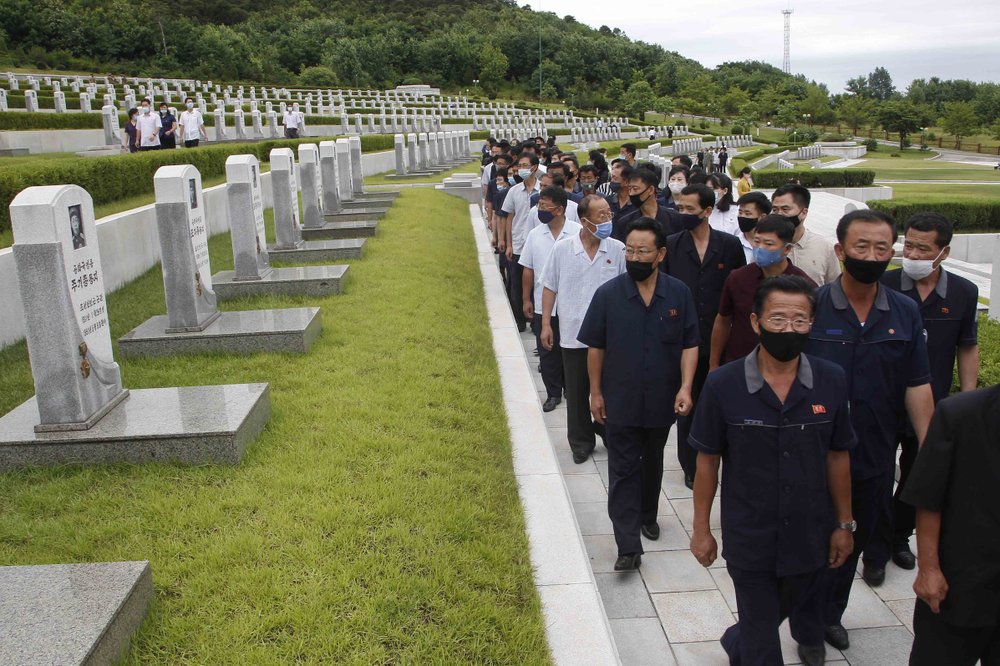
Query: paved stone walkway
(673, 610)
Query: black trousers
(168, 141)
(635, 471)
(515, 273)
(581, 428)
(897, 519)
(191, 143)
(291, 133)
(936, 642)
(686, 455)
(764, 600)
(867, 498)
(550, 359)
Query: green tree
(900, 115)
(959, 119)
(730, 103)
(615, 91)
(549, 92)
(855, 111)
(638, 99)
(492, 69)
(880, 84)
(318, 76)
(995, 129)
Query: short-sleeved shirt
(133, 136)
(291, 119)
(517, 205)
(149, 129)
(957, 474)
(537, 248)
(497, 198)
(815, 255)
(192, 122)
(777, 513)
(950, 321)
(571, 209)
(667, 217)
(167, 121)
(574, 277)
(642, 347)
(725, 220)
(737, 302)
(881, 359)
(705, 278)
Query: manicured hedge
(117, 177)
(967, 216)
(815, 178)
(13, 120)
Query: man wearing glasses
(642, 331)
(779, 422)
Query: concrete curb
(576, 624)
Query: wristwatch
(850, 527)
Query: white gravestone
(400, 151)
(239, 124)
(285, 191)
(85, 103)
(329, 177)
(220, 125)
(246, 217)
(344, 170)
(357, 171)
(312, 203)
(58, 264)
(183, 234)
(30, 101)
(257, 130)
(109, 120)
(272, 124)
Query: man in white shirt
(519, 220)
(811, 253)
(553, 226)
(192, 125)
(290, 120)
(148, 125)
(576, 267)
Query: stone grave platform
(193, 425)
(321, 250)
(356, 214)
(370, 201)
(375, 195)
(292, 281)
(72, 613)
(243, 332)
(341, 230)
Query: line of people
(652, 308)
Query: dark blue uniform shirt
(642, 347)
(705, 278)
(667, 217)
(881, 359)
(950, 321)
(777, 514)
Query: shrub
(871, 145)
(967, 216)
(117, 177)
(738, 129)
(703, 124)
(817, 178)
(834, 137)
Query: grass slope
(376, 520)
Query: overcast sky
(831, 41)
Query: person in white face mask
(948, 306)
(149, 126)
(677, 180)
(192, 125)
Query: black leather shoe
(836, 635)
(651, 531)
(689, 482)
(550, 403)
(580, 458)
(628, 562)
(904, 558)
(812, 655)
(873, 575)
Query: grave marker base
(372, 202)
(72, 613)
(323, 250)
(243, 332)
(353, 215)
(192, 425)
(302, 281)
(341, 230)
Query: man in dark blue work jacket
(642, 331)
(948, 305)
(779, 421)
(876, 335)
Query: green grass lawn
(383, 178)
(376, 520)
(916, 165)
(936, 190)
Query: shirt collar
(755, 380)
(906, 283)
(578, 244)
(839, 298)
(659, 292)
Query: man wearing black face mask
(702, 258)
(810, 251)
(642, 331)
(876, 335)
(642, 197)
(779, 421)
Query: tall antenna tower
(786, 63)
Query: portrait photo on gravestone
(76, 227)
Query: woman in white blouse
(725, 212)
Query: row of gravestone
(82, 413)
(589, 134)
(428, 153)
(809, 152)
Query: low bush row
(815, 178)
(967, 216)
